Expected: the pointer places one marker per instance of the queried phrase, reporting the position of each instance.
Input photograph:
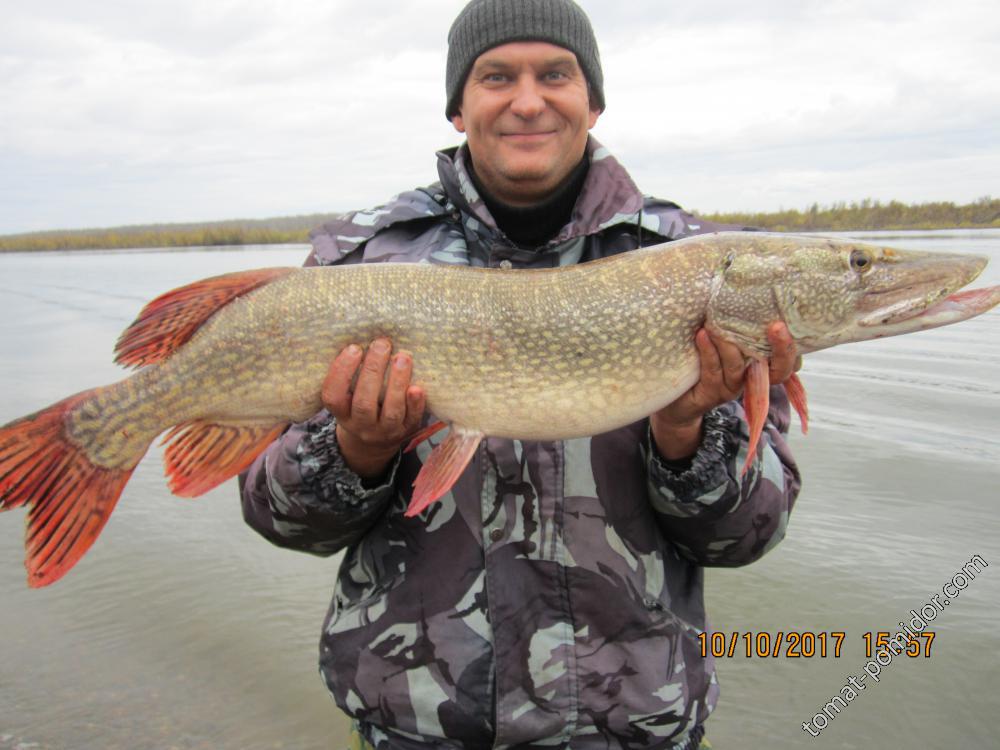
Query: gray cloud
(120, 112)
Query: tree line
(867, 214)
(274, 231)
(872, 215)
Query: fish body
(530, 354)
(227, 363)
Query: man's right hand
(369, 433)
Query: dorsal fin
(166, 323)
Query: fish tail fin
(69, 494)
(443, 468)
(756, 400)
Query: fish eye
(861, 261)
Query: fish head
(831, 291)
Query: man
(554, 597)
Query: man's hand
(369, 434)
(677, 426)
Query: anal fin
(443, 468)
(201, 455)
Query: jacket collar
(608, 196)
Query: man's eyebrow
(487, 63)
(559, 61)
(568, 61)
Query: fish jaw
(935, 312)
(952, 309)
(914, 283)
(891, 292)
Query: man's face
(525, 112)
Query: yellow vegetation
(284, 230)
(869, 214)
(864, 215)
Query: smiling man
(526, 110)
(554, 597)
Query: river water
(183, 629)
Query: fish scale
(227, 363)
(529, 339)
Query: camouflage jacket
(554, 597)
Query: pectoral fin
(797, 398)
(756, 400)
(443, 467)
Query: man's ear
(459, 123)
(594, 114)
(595, 111)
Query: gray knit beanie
(484, 24)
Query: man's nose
(528, 101)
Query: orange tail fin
(70, 497)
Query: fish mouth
(934, 291)
(979, 300)
(910, 306)
(953, 308)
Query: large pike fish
(227, 363)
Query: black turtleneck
(533, 226)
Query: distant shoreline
(867, 215)
(871, 215)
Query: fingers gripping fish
(225, 364)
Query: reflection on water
(181, 628)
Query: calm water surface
(181, 628)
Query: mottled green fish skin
(529, 354)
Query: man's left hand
(677, 426)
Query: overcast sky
(125, 112)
